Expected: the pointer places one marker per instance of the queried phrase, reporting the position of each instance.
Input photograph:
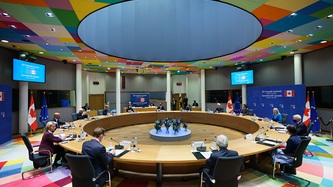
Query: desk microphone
(202, 148)
(117, 146)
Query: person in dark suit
(99, 157)
(173, 104)
(106, 110)
(195, 104)
(218, 108)
(300, 126)
(244, 110)
(48, 143)
(185, 102)
(56, 118)
(222, 142)
(292, 144)
(81, 114)
(188, 107)
(160, 107)
(86, 107)
(129, 107)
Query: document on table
(206, 154)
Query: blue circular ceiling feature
(169, 30)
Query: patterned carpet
(318, 169)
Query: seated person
(106, 110)
(195, 104)
(99, 157)
(222, 142)
(292, 144)
(277, 117)
(56, 118)
(86, 107)
(129, 107)
(218, 108)
(48, 143)
(300, 126)
(244, 110)
(188, 108)
(82, 114)
(160, 107)
(151, 105)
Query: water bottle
(135, 143)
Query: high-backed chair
(308, 130)
(100, 112)
(226, 172)
(284, 118)
(74, 116)
(82, 171)
(297, 159)
(250, 112)
(37, 159)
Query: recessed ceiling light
(49, 14)
(330, 16)
(41, 52)
(319, 27)
(309, 35)
(299, 41)
(4, 41)
(53, 29)
(4, 14)
(27, 35)
(109, 68)
(74, 60)
(293, 14)
(292, 52)
(80, 50)
(290, 31)
(12, 26)
(261, 60)
(324, 41)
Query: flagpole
(28, 124)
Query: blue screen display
(242, 77)
(28, 71)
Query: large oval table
(175, 159)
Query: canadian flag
(307, 111)
(32, 115)
(2, 96)
(289, 93)
(229, 108)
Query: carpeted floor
(318, 169)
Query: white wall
(96, 77)
(193, 92)
(178, 79)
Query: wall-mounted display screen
(28, 71)
(241, 77)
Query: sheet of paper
(119, 152)
(206, 154)
(268, 142)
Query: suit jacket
(47, 142)
(81, 116)
(292, 144)
(301, 129)
(129, 108)
(59, 122)
(160, 107)
(218, 110)
(98, 157)
(223, 152)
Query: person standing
(49, 142)
(99, 157)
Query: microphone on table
(117, 146)
(202, 148)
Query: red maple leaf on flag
(306, 112)
(229, 105)
(32, 113)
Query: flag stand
(331, 139)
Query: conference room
(282, 60)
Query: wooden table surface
(175, 158)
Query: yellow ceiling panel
(83, 7)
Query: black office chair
(309, 128)
(82, 171)
(38, 160)
(297, 159)
(74, 116)
(250, 112)
(284, 118)
(100, 112)
(226, 172)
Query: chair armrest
(96, 178)
(39, 151)
(207, 174)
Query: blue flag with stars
(44, 113)
(237, 108)
(314, 116)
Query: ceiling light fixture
(53, 29)
(4, 41)
(293, 14)
(41, 52)
(330, 16)
(309, 35)
(290, 31)
(324, 41)
(319, 27)
(4, 14)
(49, 14)
(12, 26)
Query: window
(323, 96)
(221, 96)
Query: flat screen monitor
(28, 71)
(241, 77)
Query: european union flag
(314, 115)
(44, 113)
(237, 108)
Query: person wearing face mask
(300, 126)
(99, 157)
